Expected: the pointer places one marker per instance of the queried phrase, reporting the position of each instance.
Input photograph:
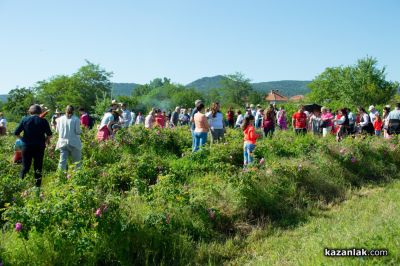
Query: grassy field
(369, 219)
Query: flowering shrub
(144, 197)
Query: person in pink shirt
(326, 118)
(84, 118)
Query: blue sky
(188, 39)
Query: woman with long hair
(269, 121)
(216, 122)
(201, 128)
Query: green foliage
(18, 102)
(145, 198)
(81, 89)
(362, 84)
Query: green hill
(286, 87)
(206, 83)
(123, 89)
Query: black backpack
(394, 126)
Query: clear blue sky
(188, 39)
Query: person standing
(326, 124)
(37, 134)
(365, 124)
(385, 121)
(175, 117)
(106, 123)
(139, 119)
(239, 119)
(201, 128)
(230, 117)
(299, 121)
(125, 118)
(249, 140)
(216, 122)
(378, 124)
(282, 120)
(3, 125)
(372, 113)
(69, 142)
(394, 120)
(192, 124)
(133, 118)
(149, 120)
(269, 122)
(315, 121)
(84, 118)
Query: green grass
(369, 219)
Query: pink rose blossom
(262, 161)
(211, 214)
(353, 159)
(98, 212)
(167, 219)
(18, 227)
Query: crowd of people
(202, 121)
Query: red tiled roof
(297, 98)
(274, 96)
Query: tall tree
(18, 102)
(360, 84)
(236, 89)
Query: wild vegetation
(144, 198)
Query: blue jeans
(199, 139)
(248, 153)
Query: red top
(300, 120)
(250, 135)
(85, 120)
(378, 125)
(160, 120)
(229, 115)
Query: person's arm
(19, 128)
(293, 122)
(78, 129)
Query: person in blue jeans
(192, 125)
(249, 140)
(201, 128)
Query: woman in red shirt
(160, 119)
(378, 123)
(250, 138)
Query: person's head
(177, 109)
(1, 114)
(282, 107)
(239, 112)
(386, 109)
(247, 121)
(152, 112)
(69, 111)
(139, 113)
(251, 106)
(301, 108)
(361, 110)
(197, 102)
(214, 108)
(200, 107)
(324, 109)
(58, 112)
(123, 106)
(398, 106)
(114, 104)
(377, 117)
(35, 109)
(163, 113)
(81, 110)
(371, 108)
(343, 111)
(230, 109)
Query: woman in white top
(69, 142)
(149, 120)
(216, 122)
(105, 129)
(239, 120)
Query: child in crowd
(250, 138)
(378, 124)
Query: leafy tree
(89, 83)
(361, 84)
(18, 102)
(236, 89)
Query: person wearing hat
(54, 119)
(69, 142)
(114, 104)
(37, 134)
(372, 113)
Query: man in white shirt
(69, 142)
(372, 113)
(125, 117)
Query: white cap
(371, 108)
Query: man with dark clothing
(36, 134)
(175, 117)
